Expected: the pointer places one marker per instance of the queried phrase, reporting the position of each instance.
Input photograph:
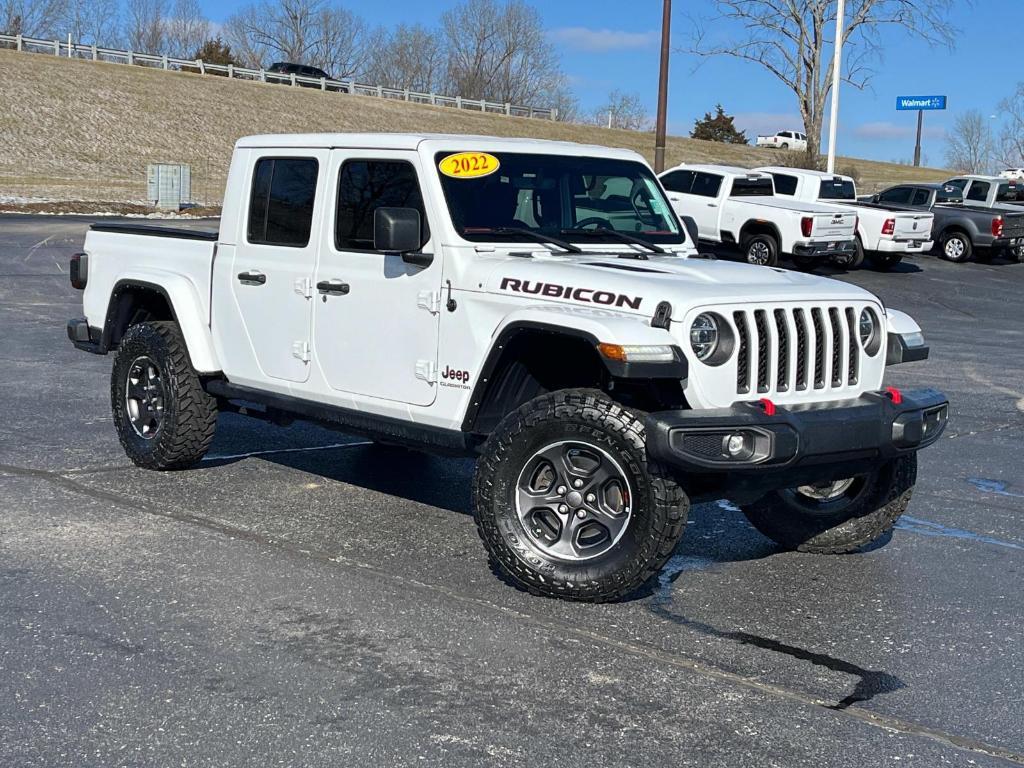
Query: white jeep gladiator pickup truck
(885, 234)
(535, 304)
(738, 208)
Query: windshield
(558, 196)
(837, 189)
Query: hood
(630, 285)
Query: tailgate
(913, 226)
(834, 226)
(1013, 225)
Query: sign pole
(837, 72)
(917, 147)
(659, 134)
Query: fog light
(735, 445)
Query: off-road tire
(769, 243)
(866, 518)
(884, 262)
(956, 255)
(189, 414)
(659, 507)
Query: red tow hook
(768, 405)
(894, 394)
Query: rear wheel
(956, 247)
(569, 505)
(164, 418)
(762, 250)
(851, 260)
(883, 262)
(834, 517)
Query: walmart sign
(920, 102)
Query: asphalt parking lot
(303, 598)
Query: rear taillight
(79, 270)
(997, 226)
(889, 226)
(807, 225)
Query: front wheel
(164, 418)
(569, 505)
(837, 516)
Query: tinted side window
(281, 205)
(785, 184)
(899, 195)
(678, 181)
(960, 184)
(706, 184)
(978, 191)
(920, 197)
(366, 185)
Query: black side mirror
(691, 229)
(397, 230)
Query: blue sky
(607, 44)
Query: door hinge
(304, 287)
(426, 370)
(300, 350)
(430, 301)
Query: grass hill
(80, 130)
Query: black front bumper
(85, 337)
(872, 428)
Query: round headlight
(867, 327)
(704, 336)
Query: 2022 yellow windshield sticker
(468, 165)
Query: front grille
(785, 349)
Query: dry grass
(85, 131)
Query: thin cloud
(603, 40)
(883, 130)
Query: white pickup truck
(794, 140)
(533, 304)
(738, 208)
(885, 234)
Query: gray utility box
(168, 185)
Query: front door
(375, 324)
(272, 269)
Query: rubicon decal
(555, 291)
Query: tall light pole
(659, 131)
(837, 73)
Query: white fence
(68, 49)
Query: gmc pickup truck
(738, 208)
(884, 234)
(536, 305)
(961, 231)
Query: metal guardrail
(72, 50)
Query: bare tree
(1012, 138)
(622, 110)
(301, 31)
(970, 146)
(33, 18)
(146, 30)
(186, 29)
(794, 39)
(94, 21)
(499, 51)
(407, 57)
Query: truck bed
(157, 231)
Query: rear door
(706, 207)
(273, 261)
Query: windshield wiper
(540, 238)
(622, 237)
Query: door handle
(252, 277)
(332, 287)
(712, 205)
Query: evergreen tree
(718, 128)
